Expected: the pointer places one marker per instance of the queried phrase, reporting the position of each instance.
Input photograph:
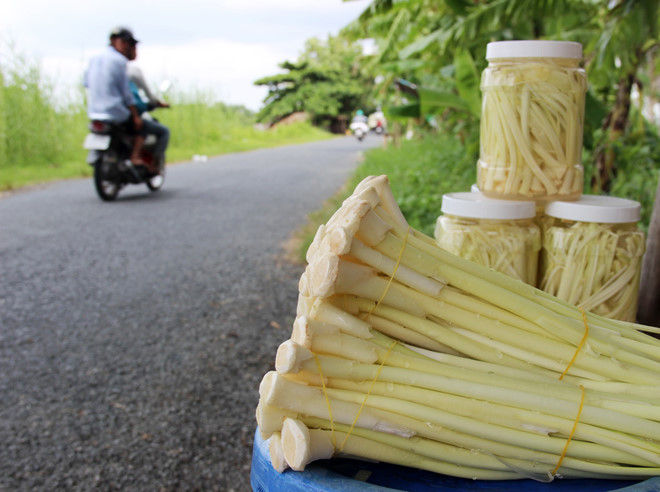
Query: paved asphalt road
(134, 334)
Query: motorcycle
(109, 154)
(359, 129)
(377, 122)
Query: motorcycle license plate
(94, 141)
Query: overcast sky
(219, 45)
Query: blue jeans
(162, 133)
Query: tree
(328, 81)
(628, 34)
(648, 312)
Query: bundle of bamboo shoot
(406, 354)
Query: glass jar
(498, 234)
(592, 254)
(532, 119)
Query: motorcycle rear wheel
(106, 180)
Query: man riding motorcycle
(110, 98)
(359, 125)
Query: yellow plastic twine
(579, 347)
(318, 362)
(396, 267)
(570, 436)
(364, 402)
(327, 401)
(389, 350)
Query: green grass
(420, 172)
(200, 125)
(39, 140)
(237, 138)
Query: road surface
(134, 334)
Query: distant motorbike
(109, 153)
(359, 129)
(377, 122)
(378, 128)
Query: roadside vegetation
(426, 71)
(41, 134)
(420, 172)
(328, 82)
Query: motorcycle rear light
(99, 127)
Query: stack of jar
(587, 250)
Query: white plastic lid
(477, 206)
(596, 208)
(533, 49)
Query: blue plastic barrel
(349, 475)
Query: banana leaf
(467, 81)
(410, 110)
(434, 100)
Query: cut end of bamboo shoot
(276, 452)
(290, 356)
(301, 445)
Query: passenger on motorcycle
(137, 83)
(109, 97)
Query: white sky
(217, 45)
